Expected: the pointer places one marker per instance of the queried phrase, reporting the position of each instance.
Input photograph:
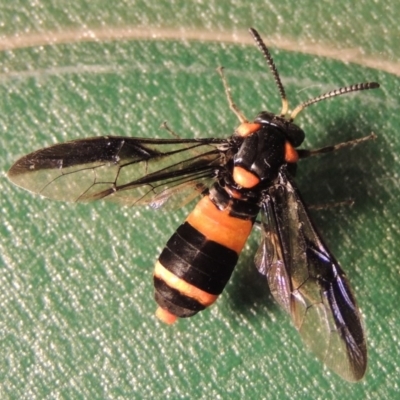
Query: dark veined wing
(309, 284)
(129, 171)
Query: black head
(293, 133)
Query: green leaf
(76, 280)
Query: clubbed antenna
(270, 62)
(334, 93)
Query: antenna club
(372, 85)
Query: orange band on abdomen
(219, 226)
(182, 286)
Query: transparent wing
(309, 284)
(129, 171)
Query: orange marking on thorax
(291, 155)
(219, 226)
(182, 286)
(247, 128)
(234, 193)
(245, 178)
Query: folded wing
(309, 284)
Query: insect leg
(165, 126)
(232, 105)
(328, 149)
(344, 203)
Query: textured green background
(76, 308)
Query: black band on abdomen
(198, 261)
(174, 301)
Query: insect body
(204, 250)
(247, 174)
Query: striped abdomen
(198, 260)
